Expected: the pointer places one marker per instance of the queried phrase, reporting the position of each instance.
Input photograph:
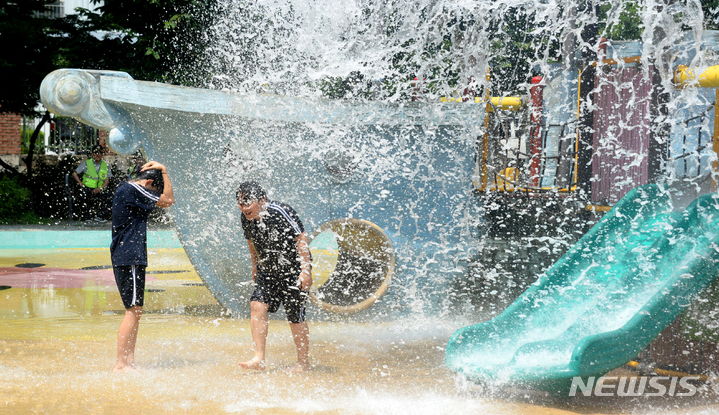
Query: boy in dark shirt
(131, 206)
(281, 270)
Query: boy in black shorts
(281, 270)
(131, 206)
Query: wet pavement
(60, 311)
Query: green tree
(158, 40)
(627, 25)
(28, 52)
(711, 14)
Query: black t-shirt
(131, 206)
(274, 238)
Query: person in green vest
(93, 196)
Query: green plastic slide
(602, 302)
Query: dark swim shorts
(275, 290)
(130, 281)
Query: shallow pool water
(58, 325)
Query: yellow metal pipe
(715, 137)
(666, 372)
(575, 176)
(685, 76)
(484, 175)
(500, 103)
(485, 155)
(629, 59)
(503, 103)
(598, 208)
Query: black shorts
(130, 281)
(274, 291)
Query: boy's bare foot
(253, 364)
(299, 368)
(123, 368)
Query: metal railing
(70, 136)
(511, 165)
(696, 155)
(53, 11)
(559, 160)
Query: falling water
(415, 177)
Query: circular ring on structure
(352, 272)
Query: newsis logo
(634, 386)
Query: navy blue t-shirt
(274, 238)
(131, 207)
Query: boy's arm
(303, 250)
(167, 198)
(253, 259)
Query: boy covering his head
(131, 206)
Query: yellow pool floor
(58, 323)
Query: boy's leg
(295, 301)
(133, 337)
(127, 337)
(258, 325)
(130, 281)
(301, 336)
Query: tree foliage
(158, 40)
(28, 52)
(711, 14)
(628, 22)
(167, 40)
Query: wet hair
(154, 174)
(249, 192)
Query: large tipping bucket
(405, 167)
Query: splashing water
(335, 110)
(414, 177)
(354, 129)
(382, 112)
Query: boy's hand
(154, 165)
(305, 280)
